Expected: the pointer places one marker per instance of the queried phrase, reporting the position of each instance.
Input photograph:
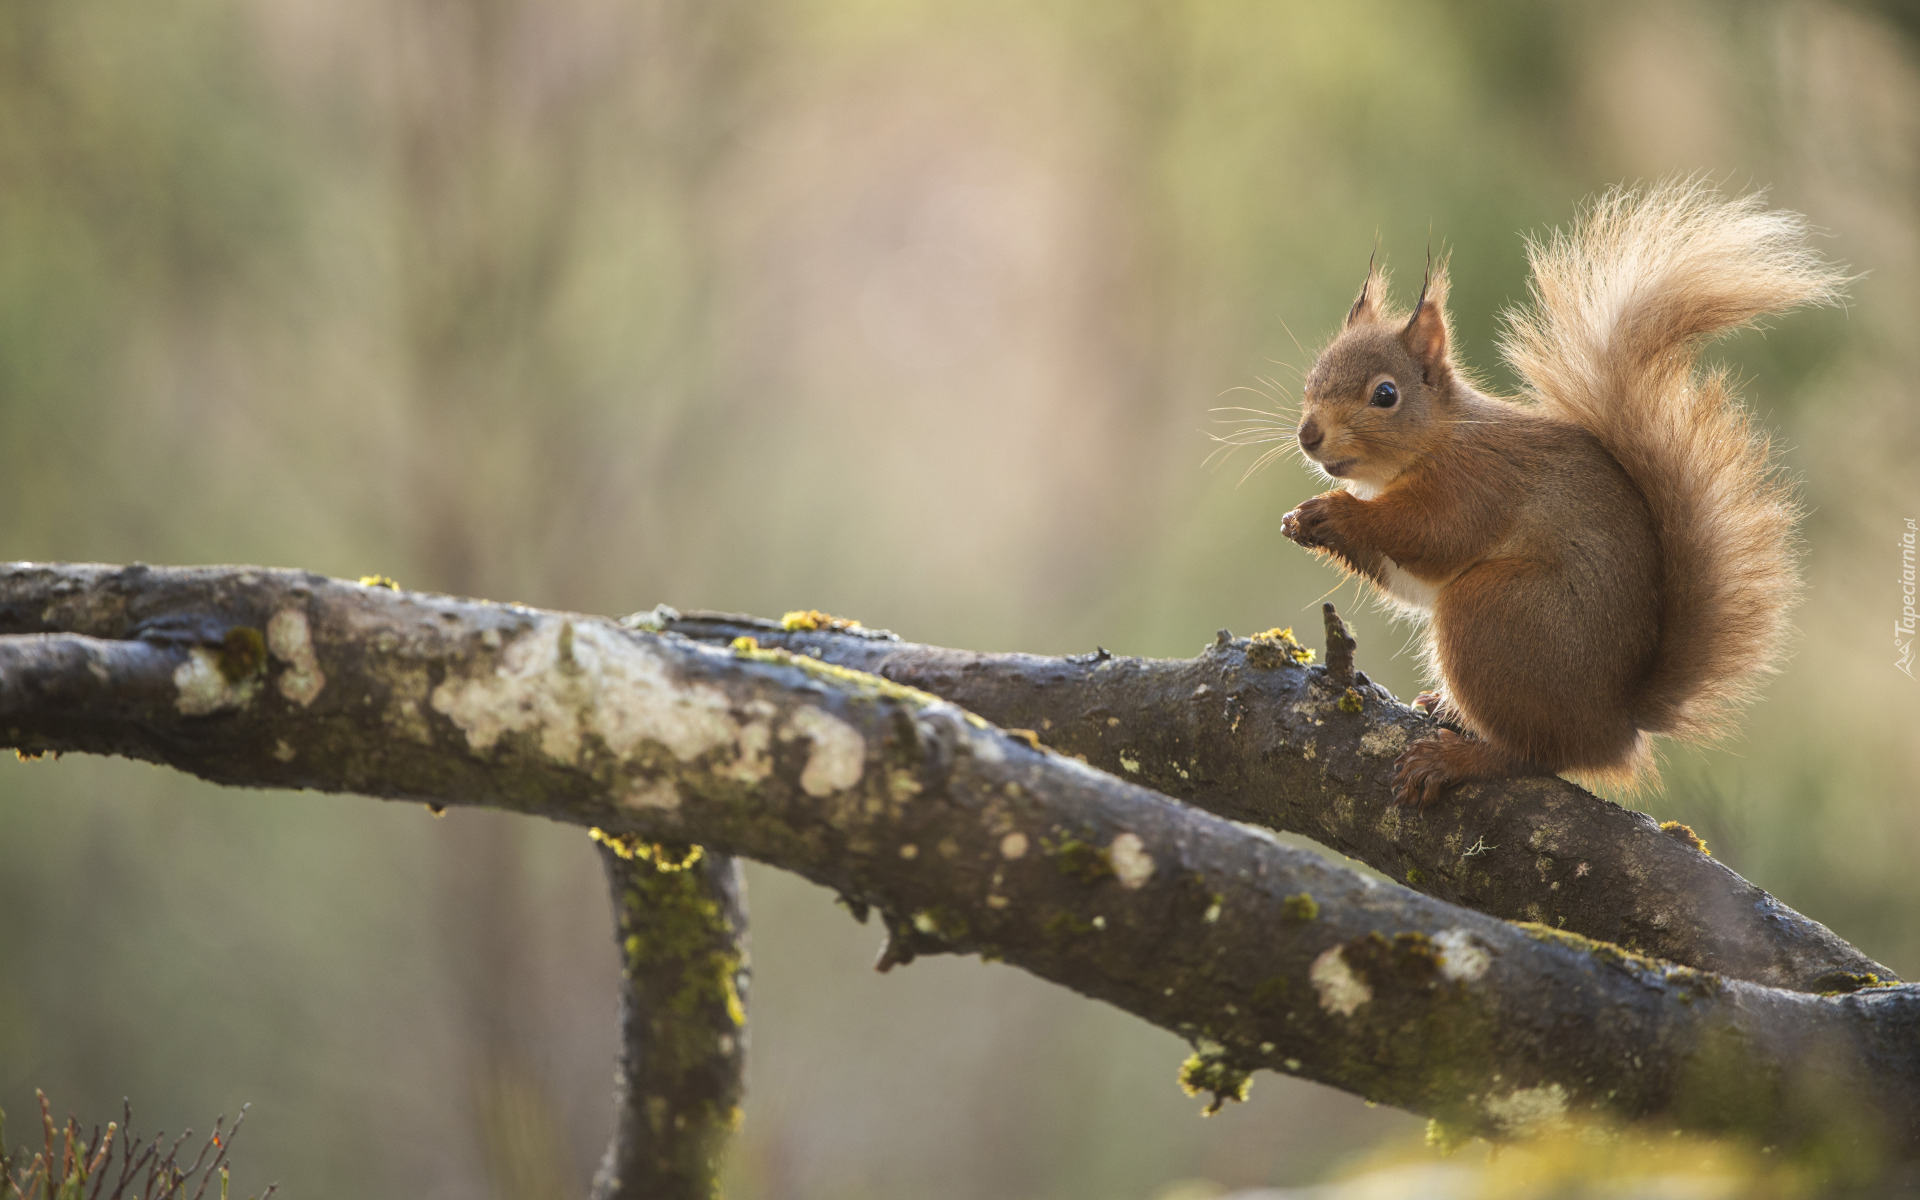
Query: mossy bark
(680, 923)
(1263, 737)
(968, 838)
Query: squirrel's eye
(1385, 396)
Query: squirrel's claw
(1308, 525)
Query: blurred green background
(912, 312)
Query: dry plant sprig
(83, 1159)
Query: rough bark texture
(680, 921)
(967, 837)
(1248, 731)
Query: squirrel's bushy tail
(1621, 307)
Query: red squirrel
(1607, 558)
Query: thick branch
(968, 838)
(1245, 730)
(680, 921)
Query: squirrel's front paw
(1310, 525)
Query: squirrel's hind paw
(1435, 705)
(1431, 765)
(1423, 770)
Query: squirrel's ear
(1426, 335)
(1366, 309)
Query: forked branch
(969, 838)
(1249, 730)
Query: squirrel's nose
(1311, 436)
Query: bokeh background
(910, 311)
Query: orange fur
(1611, 561)
(1620, 309)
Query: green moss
(1721, 1082)
(1079, 859)
(1065, 925)
(1606, 952)
(678, 936)
(1693, 983)
(1845, 983)
(1403, 960)
(1272, 995)
(943, 922)
(1299, 908)
(1445, 1045)
(1352, 702)
(1276, 648)
(863, 683)
(1210, 1069)
(1416, 876)
(1685, 836)
(1447, 1137)
(243, 653)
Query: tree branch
(968, 838)
(1249, 731)
(680, 921)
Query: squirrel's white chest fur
(1399, 585)
(1404, 589)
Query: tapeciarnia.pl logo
(1903, 627)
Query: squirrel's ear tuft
(1426, 336)
(1366, 309)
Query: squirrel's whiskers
(1258, 427)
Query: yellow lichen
(663, 858)
(1606, 952)
(1685, 835)
(379, 581)
(814, 619)
(1844, 983)
(1446, 1137)
(1274, 647)
(1210, 1068)
(748, 647)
